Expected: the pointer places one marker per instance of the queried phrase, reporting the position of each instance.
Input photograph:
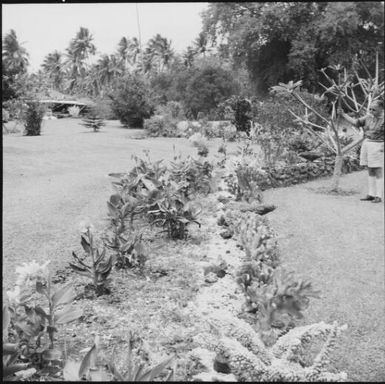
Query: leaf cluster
(99, 267)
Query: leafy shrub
(205, 88)
(284, 295)
(99, 267)
(301, 142)
(173, 109)
(33, 117)
(159, 125)
(192, 176)
(103, 106)
(173, 214)
(131, 102)
(239, 110)
(34, 322)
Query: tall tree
(53, 66)
(189, 56)
(80, 48)
(160, 52)
(14, 55)
(109, 69)
(14, 66)
(201, 43)
(289, 40)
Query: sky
(43, 28)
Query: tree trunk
(337, 173)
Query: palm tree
(124, 50)
(161, 51)
(14, 55)
(80, 48)
(201, 43)
(53, 67)
(109, 68)
(189, 56)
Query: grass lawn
(53, 181)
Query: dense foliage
(33, 117)
(290, 40)
(131, 101)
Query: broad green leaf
(85, 244)
(112, 210)
(41, 288)
(70, 370)
(63, 295)
(67, 315)
(89, 359)
(148, 184)
(40, 311)
(115, 199)
(156, 371)
(9, 371)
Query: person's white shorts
(372, 154)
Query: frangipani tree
(342, 91)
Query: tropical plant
(32, 320)
(284, 295)
(192, 176)
(87, 369)
(32, 118)
(174, 214)
(100, 265)
(11, 351)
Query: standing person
(372, 150)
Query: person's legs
(379, 184)
(371, 185)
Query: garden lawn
(338, 243)
(54, 181)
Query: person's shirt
(373, 127)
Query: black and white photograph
(193, 191)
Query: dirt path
(338, 243)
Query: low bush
(131, 102)
(159, 125)
(239, 110)
(32, 118)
